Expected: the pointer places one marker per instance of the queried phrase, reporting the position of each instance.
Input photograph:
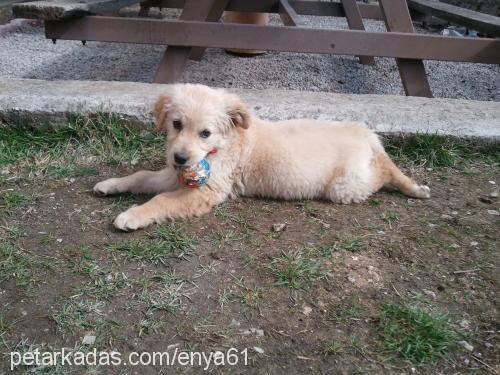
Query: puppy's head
(198, 120)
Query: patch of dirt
(441, 253)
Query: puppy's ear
(160, 112)
(239, 114)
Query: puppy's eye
(205, 133)
(177, 124)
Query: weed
(60, 152)
(79, 315)
(163, 241)
(414, 333)
(435, 151)
(19, 264)
(295, 268)
(148, 326)
(331, 348)
(11, 201)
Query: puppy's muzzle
(180, 159)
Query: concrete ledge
(53, 102)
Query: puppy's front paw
(132, 220)
(422, 191)
(106, 187)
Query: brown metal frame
(198, 29)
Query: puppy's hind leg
(143, 182)
(393, 177)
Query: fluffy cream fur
(297, 159)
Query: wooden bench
(485, 23)
(199, 28)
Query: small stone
(464, 324)
(494, 194)
(59, 240)
(430, 293)
(380, 232)
(466, 346)
(279, 227)
(486, 200)
(173, 346)
(234, 323)
(88, 340)
(351, 278)
(455, 246)
(454, 213)
(492, 182)
(474, 243)
(306, 310)
(259, 332)
(493, 212)
(258, 349)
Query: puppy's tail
(394, 178)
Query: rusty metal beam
(355, 22)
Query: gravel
(25, 53)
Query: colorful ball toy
(195, 175)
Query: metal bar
(276, 38)
(175, 58)
(288, 15)
(412, 72)
(301, 7)
(355, 22)
(484, 23)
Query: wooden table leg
(175, 58)
(412, 72)
(355, 22)
(214, 16)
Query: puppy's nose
(180, 158)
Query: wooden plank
(65, 9)
(484, 23)
(355, 22)
(302, 7)
(214, 15)
(175, 57)
(276, 38)
(413, 75)
(288, 15)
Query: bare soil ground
(305, 299)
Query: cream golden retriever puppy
(342, 162)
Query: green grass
(249, 297)
(148, 326)
(19, 265)
(435, 151)
(167, 297)
(343, 314)
(70, 151)
(331, 348)
(11, 201)
(351, 244)
(75, 316)
(296, 268)
(415, 334)
(163, 291)
(164, 241)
